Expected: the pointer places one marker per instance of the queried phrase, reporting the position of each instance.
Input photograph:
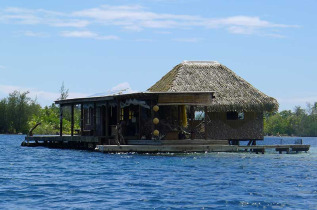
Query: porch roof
(163, 98)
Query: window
(235, 115)
(199, 115)
(131, 113)
(241, 115)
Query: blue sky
(97, 46)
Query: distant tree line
(300, 122)
(19, 113)
(16, 111)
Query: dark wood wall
(219, 127)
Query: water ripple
(45, 178)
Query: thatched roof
(232, 92)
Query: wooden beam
(118, 112)
(81, 119)
(152, 117)
(95, 119)
(140, 113)
(72, 120)
(191, 114)
(107, 119)
(61, 120)
(185, 98)
(179, 115)
(118, 121)
(206, 127)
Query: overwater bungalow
(197, 106)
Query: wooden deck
(33, 140)
(91, 139)
(69, 142)
(153, 146)
(178, 142)
(181, 148)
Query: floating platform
(101, 144)
(182, 148)
(67, 142)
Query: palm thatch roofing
(232, 92)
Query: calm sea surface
(42, 178)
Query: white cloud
(291, 102)
(138, 18)
(71, 23)
(246, 30)
(19, 16)
(2, 67)
(87, 34)
(246, 21)
(34, 34)
(241, 30)
(298, 99)
(39, 16)
(43, 97)
(33, 92)
(76, 95)
(121, 88)
(46, 98)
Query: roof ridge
(178, 70)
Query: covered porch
(139, 116)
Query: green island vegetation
(19, 113)
(300, 122)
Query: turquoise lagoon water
(42, 178)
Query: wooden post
(191, 112)
(61, 120)
(152, 117)
(118, 122)
(81, 119)
(95, 119)
(179, 115)
(107, 120)
(118, 112)
(206, 127)
(72, 120)
(140, 113)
